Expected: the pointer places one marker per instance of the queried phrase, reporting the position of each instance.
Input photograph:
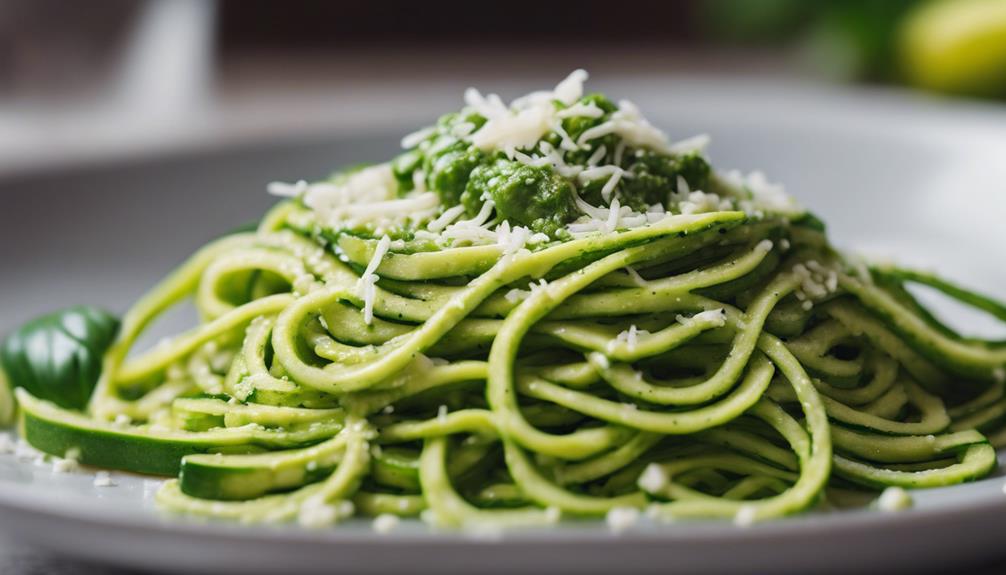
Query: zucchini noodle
(702, 355)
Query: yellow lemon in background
(956, 46)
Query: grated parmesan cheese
(571, 88)
(412, 140)
(632, 127)
(601, 360)
(366, 285)
(596, 132)
(609, 187)
(526, 120)
(695, 144)
(446, 218)
(594, 212)
(714, 317)
(894, 499)
(565, 142)
(653, 479)
(285, 190)
(511, 240)
(581, 110)
(553, 514)
(619, 152)
(630, 337)
(537, 287)
(482, 217)
(597, 156)
(314, 513)
(614, 213)
(559, 164)
(515, 295)
(520, 130)
(682, 188)
(66, 465)
(711, 317)
(419, 181)
(745, 516)
(363, 189)
(763, 195)
(621, 518)
(104, 479)
(385, 523)
(831, 281)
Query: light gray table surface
(19, 560)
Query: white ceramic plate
(893, 175)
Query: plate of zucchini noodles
(535, 333)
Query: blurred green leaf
(762, 21)
(855, 39)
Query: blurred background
(81, 81)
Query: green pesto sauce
(656, 175)
(538, 197)
(534, 197)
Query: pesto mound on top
(551, 165)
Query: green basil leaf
(58, 356)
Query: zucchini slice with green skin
(902, 449)
(373, 504)
(397, 467)
(470, 260)
(240, 477)
(975, 462)
(225, 414)
(140, 449)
